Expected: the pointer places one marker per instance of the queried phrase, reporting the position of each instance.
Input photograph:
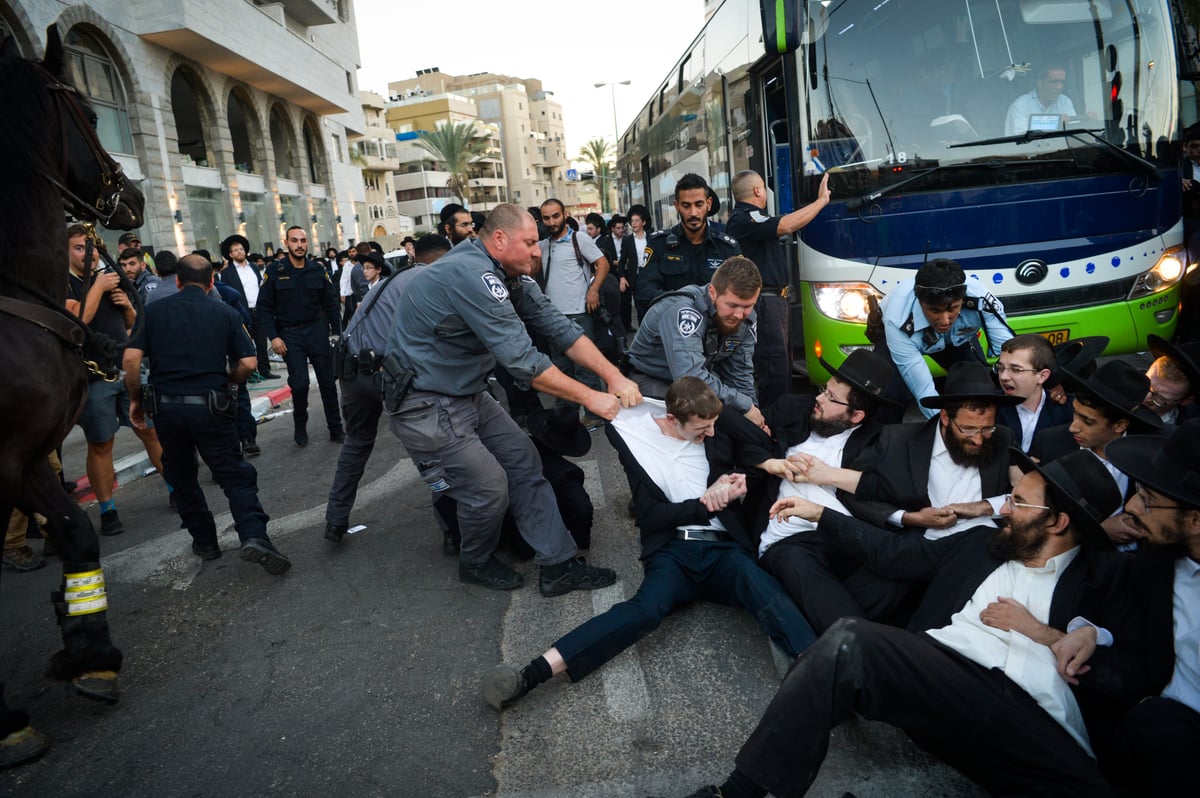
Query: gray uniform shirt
(371, 325)
(678, 339)
(455, 322)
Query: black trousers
(1159, 738)
(772, 350)
(361, 409)
(261, 345)
(187, 430)
(246, 426)
(977, 720)
(310, 344)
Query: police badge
(689, 321)
(495, 286)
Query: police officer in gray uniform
(453, 325)
(706, 332)
(357, 365)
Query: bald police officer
(454, 323)
(191, 342)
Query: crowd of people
(1011, 579)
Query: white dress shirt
(951, 483)
(827, 450)
(1029, 420)
(1184, 686)
(249, 280)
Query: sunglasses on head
(941, 290)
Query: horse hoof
(22, 746)
(97, 685)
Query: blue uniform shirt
(910, 337)
(673, 262)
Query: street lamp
(612, 88)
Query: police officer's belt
(709, 535)
(186, 399)
(299, 326)
(770, 290)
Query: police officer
(706, 332)
(689, 252)
(191, 341)
(758, 234)
(365, 343)
(454, 323)
(294, 294)
(940, 314)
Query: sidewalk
(129, 456)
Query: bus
(1074, 222)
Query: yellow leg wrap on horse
(84, 592)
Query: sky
(564, 44)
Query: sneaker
(260, 550)
(110, 523)
(574, 574)
(492, 574)
(24, 559)
(206, 552)
(503, 685)
(334, 532)
(250, 448)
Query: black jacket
(1052, 415)
(230, 276)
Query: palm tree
(595, 153)
(454, 145)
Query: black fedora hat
(1186, 356)
(1166, 464)
(866, 371)
(1082, 487)
(560, 430)
(234, 239)
(375, 259)
(1120, 386)
(1078, 356)
(970, 381)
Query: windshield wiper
(1136, 161)
(858, 202)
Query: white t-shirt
(567, 279)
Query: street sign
(572, 174)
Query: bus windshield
(901, 87)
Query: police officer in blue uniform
(689, 252)
(295, 293)
(191, 342)
(758, 234)
(703, 331)
(939, 314)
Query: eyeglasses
(971, 432)
(830, 397)
(941, 290)
(1160, 401)
(1016, 371)
(1011, 502)
(1141, 496)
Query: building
(375, 154)
(526, 119)
(230, 115)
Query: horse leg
(89, 661)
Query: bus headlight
(1165, 274)
(844, 301)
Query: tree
(454, 145)
(595, 153)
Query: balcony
(310, 12)
(280, 62)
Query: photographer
(573, 271)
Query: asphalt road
(358, 672)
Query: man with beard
(1158, 738)
(706, 332)
(973, 679)
(689, 252)
(834, 427)
(694, 543)
(456, 223)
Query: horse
(53, 163)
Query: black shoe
(334, 532)
(250, 448)
(450, 544)
(70, 487)
(171, 499)
(574, 574)
(503, 685)
(337, 436)
(206, 552)
(301, 437)
(261, 551)
(492, 574)
(268, 375)
(110, 523)
(23, 745)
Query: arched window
(283, 142)
(92, 71)
(243, 132)
(316, 155)
(189, 125)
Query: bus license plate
(1056, 337)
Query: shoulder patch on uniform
(495, 286)
(689, 321)
(759, 216)
(150, 287)
(658, 234)
(728, 239)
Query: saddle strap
(48, 319)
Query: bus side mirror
(782, 25)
